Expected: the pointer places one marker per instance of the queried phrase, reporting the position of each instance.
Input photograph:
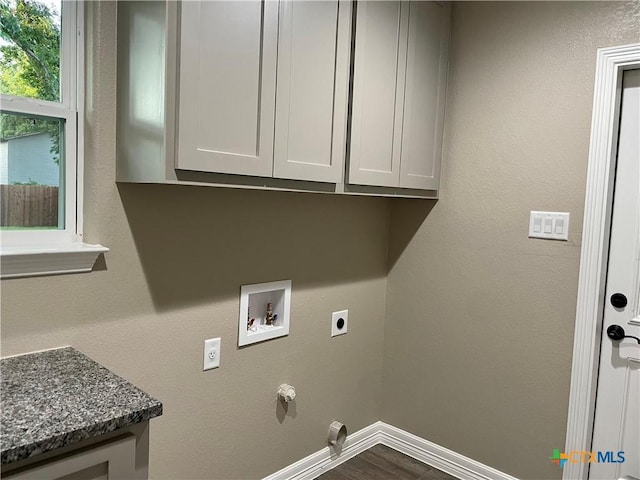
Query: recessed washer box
(264, 311)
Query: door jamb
(611, 62)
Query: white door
(616, 431)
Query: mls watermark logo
(560, 458)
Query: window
(41, 83)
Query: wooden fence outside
(28, 206)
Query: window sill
(37, 260)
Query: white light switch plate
(550, 225)
(211, 353)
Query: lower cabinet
(399, 85)
(112, 460)
(119, 455)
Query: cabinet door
(378, 91)
(113, 460)
(424, 97)
(228, 53)
(311, 100)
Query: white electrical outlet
(339, 322)
(211, 354)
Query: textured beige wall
(479, 330)
(479, 318)
(172, 279)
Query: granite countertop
(60, 397)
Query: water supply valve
(286, 392)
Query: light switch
(537, 225)
(549, 225)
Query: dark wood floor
(384, 463)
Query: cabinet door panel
(227, 86)
(313, 55)
(378, 92)
(115, 460)
(424, 95)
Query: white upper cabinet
(400, 72)
(376, 123)
(260, 94)
(312, 91)
(424, 95)
(227, 84)
(233, 118)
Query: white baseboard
(317, 463)
(423, 450)
(439, 457)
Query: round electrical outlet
(339, 322)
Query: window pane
(31, 172)
(30, 48)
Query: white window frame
(47, 252)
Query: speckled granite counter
(59, 397)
